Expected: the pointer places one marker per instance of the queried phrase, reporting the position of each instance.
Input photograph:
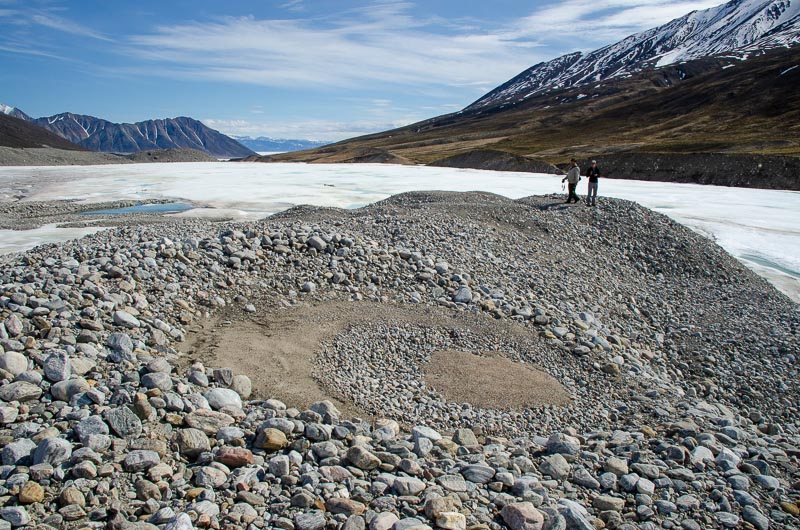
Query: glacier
(759, 227)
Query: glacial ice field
(760, 227)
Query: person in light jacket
(572, 178)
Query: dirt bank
(745, 171)
(497, 161)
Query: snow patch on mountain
(13, 112)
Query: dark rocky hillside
(18, 133)
(496, 161)
(744, 171)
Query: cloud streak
(594, 23)
(385, 44)
(67, 26)
(314, 129)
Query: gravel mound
(680, 366)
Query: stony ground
(48, 156)
(674, 405)
(24, 215)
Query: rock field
(673, 370)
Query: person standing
(593, 174)
(572, 178)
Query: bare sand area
(491, 381)
(276, 349)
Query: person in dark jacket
(593, 174)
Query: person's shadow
(558, 205)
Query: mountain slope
(710, 105)
(740, 28)
(176, 133)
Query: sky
(319, 70)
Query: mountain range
(264, 144)
(723, 80)
(98, 134)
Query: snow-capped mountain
(739, 27)
(276, 145)
(13, 112)
(172, 133)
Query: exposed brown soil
(276, 350)
(491, 381)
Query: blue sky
(324, 70)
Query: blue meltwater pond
(170, 207)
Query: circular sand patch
(491, 381)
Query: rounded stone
(242, 385)
(13, 362)
(53, 451)
(31, 492)
(271, 440)
(192, 442)
(159, 380)
(20, 391)
(57, 366)
(140, 460)
(362, 458)
(219, 398)
(65, 390)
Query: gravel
(680, 368)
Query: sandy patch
(491, 381)
(274, 350)
(277, 349)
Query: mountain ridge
(739, 27)
(98, 134)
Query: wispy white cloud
(67, 26)
(592, 23)
(18, 35)
(385, 44)
(293, 5)
(26, 50)
(370, 115)
(309, 129)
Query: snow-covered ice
(760, 227)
